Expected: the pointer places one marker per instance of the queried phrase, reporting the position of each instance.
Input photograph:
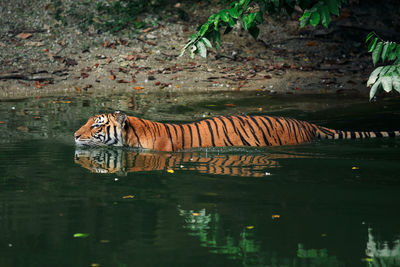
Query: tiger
(119, 129)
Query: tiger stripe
(120, 130)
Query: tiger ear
(120, 117)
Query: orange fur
(120, 130)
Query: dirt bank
(41, 57)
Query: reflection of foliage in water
(207, 228)
(246, 248)
(318, 257)
(380, 253)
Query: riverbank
(41, 57)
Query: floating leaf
(250, 227)
(170, 171)
(128, 196)
(276, 216)
(81, 235)
(355, 168)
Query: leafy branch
(250, 14)
(384, 77)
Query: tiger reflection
(101, 160)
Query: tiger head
(102, 130)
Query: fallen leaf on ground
(250, 227)
(138, 87)
(147, 30)
(275, 216)
(311, 43)
(122, 81)
(170, 171)
(195, 214)
(112, 77)
(157, 83)
(40, 85)
(355, 168)
(24, 35)
(230, 105)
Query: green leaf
(202, 49)
(374, 76)
(333, 6)
(232, 22)
(254, 31)
(224, 16)
(385, 51)
(306, 15)
(387, 83)
(384, 70)
(204, 29)
(372, 45)
(315, 18)
(233, 12)
(392, 51)
(373, 90)
(325, 16)
(214, 36)
(377, 52)
(216, 21)
(396, 82)
(248, 20)
(81, 235)
(369, 36)
(212, 18)
(206, 42)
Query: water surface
(328, 203)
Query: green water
(328, 203)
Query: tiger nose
(77, 136)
